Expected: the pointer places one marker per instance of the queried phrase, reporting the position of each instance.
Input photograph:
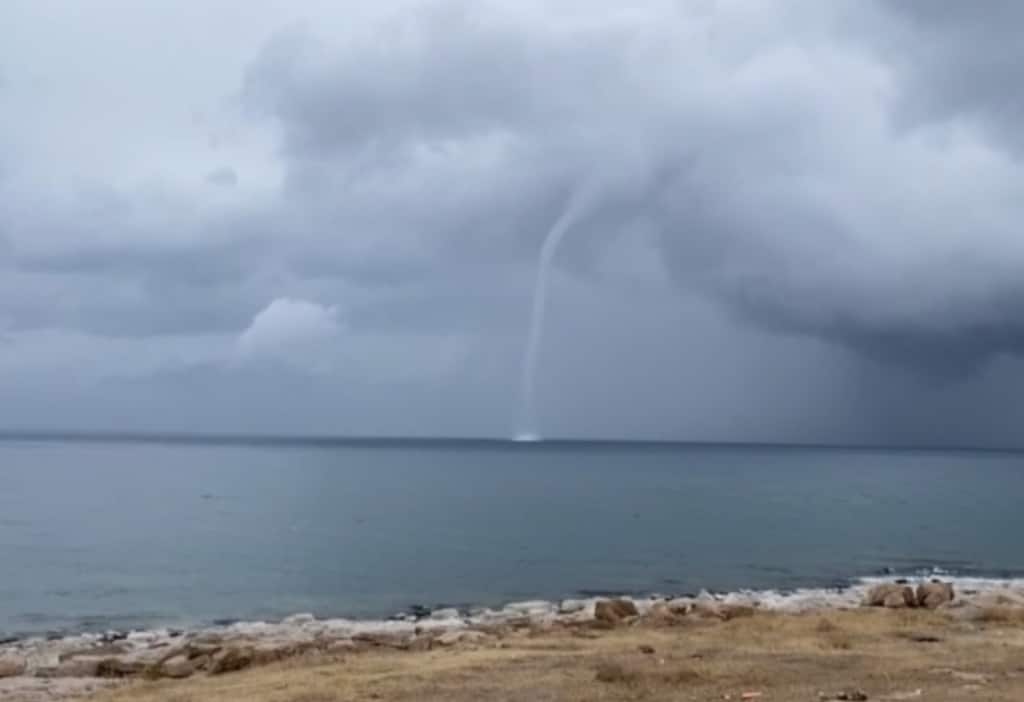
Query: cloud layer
(826, 195)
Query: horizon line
(290, 439)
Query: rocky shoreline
(45, 669)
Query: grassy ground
(886, 654)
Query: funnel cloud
(575, 208)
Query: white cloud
(299, 333)
(311, 337)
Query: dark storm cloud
(770, 164)
(960, 60)
(809, 194)
(130, 264)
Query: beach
(797, 645)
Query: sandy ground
(886, 655)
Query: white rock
(579, 617)
(573, 606)
(447, 613)
(251, 629)
(143, 637)
(441, 624)
(298, 620)
(530, 608)
(337, 628)
(642, 606)
(489, 617)
(742, 598)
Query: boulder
(199, 650)
(177, 667)
(450, 638)
(229, 660)
(891, 595)
(118, 667)
(707, 609)
(582, 616)
(934, 594)
(899, 600)
(614, 611)
(209, 638)
(11, 666)
(266, 652)
(78, 667)
(102, 651)
(660, 615)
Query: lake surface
(98, 535)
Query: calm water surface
(114, 535)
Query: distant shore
(80, 664)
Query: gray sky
(803, 219)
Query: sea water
(103, 534)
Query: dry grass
(783, 657)
(1001, 614)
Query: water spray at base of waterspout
(574, 209)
